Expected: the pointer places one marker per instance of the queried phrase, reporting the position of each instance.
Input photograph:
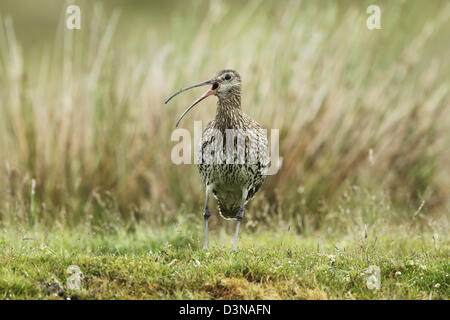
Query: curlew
(232, 157)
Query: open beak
(206, 94)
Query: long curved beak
(206, 94)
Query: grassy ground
(86, 175)
(170, 265)
(84, 131)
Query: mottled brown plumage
(233, 154)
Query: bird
(233, 180)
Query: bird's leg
(239, 217)
(206, 215)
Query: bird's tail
(228, 208)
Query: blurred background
(363, 114)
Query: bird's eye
(227, 77)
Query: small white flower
(196, 262)
(398, 273)
(437, 285)
(332, 258)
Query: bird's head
(226, 84)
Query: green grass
(85, 170)
(169, 264)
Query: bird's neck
(229, 114)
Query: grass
(268, 265)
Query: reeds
(354, 107)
